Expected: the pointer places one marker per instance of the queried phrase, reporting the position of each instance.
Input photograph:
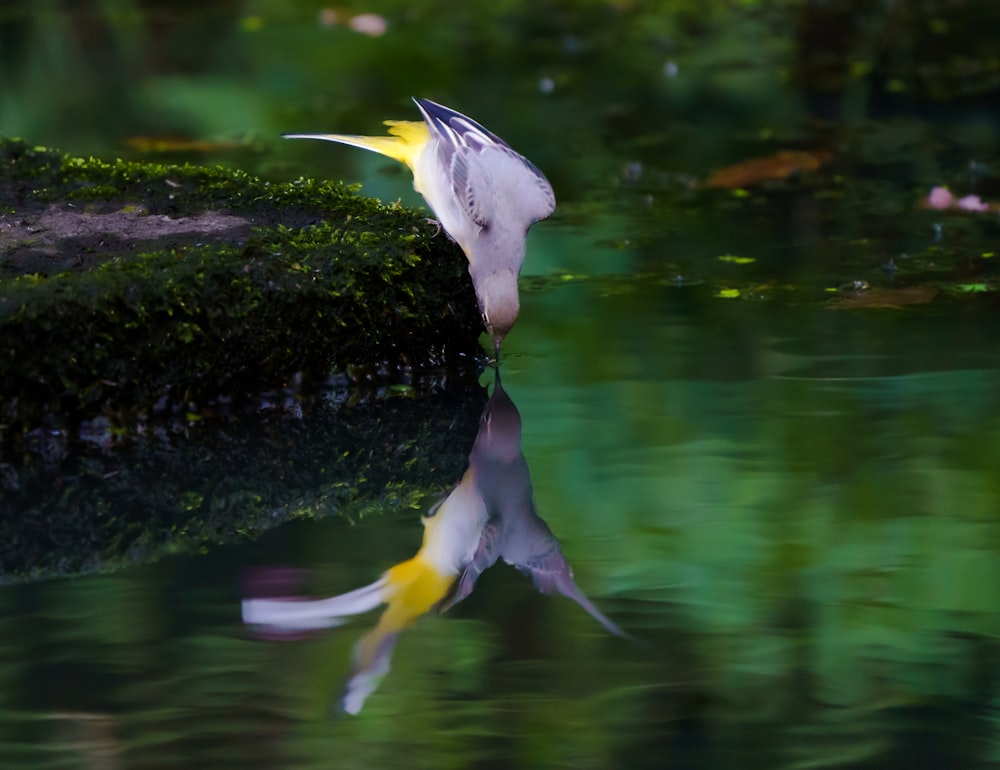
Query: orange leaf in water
(884, 298)
(781, 165)
(178, 144)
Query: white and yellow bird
(513, 530)
(489, 515)
(412, 588)
(484, 194)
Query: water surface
(782, 486)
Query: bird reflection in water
(489, 515)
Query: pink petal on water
(370, 24)
(972, 203)
(940, 198)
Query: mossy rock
(95, 502)
(127, 285)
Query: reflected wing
(551, 573)
(485, 557)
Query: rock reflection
(489, 515)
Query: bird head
(499, 437)
(499, 304)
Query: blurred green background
(786, 487)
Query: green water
(786, 491)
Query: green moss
(45, 175)
(98, 504)
(323, 281)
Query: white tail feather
(363, 142)
(363, 682)
(292, 615)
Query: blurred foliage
(669, 77)
(797, 509)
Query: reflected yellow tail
(413, 588)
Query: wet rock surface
(64, 237)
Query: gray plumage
(484, 194)
(514, 531)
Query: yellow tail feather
(413, 588)
(412, 132)
(405, 141)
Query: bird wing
(479, 163)
(485, 557)
(550, 572)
